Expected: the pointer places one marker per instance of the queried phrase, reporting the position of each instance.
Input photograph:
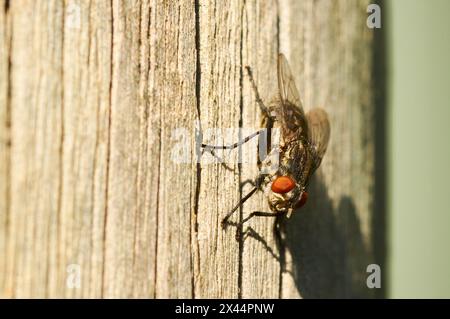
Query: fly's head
(285, 195)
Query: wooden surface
(93, 95)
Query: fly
(303, 143)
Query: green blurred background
(418, 52)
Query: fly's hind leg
(235, 208)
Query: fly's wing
(319, 133)
(286, 84)
(290, 111)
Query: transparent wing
(286, 84)
(319, 132)
(290, 112)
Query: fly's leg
(235, 208)
(260, 214)
(232, 146)
(248, 181)
(261, 104)
(257, 184)
(211, 148)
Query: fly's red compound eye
(283, 184)
(302, 200)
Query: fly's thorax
(296, 161)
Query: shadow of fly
(303, 143)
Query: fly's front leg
(257, 184)
(235, 208)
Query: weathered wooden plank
(220, 32)
(149, 194)
(86, 106)
(4, 139)
(261, 257)
(126, 124)
(329, 242)
(36, 137)
(95, 97)
(117, 78)
(173, 92)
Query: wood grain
(98, 99)
(5, 141)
